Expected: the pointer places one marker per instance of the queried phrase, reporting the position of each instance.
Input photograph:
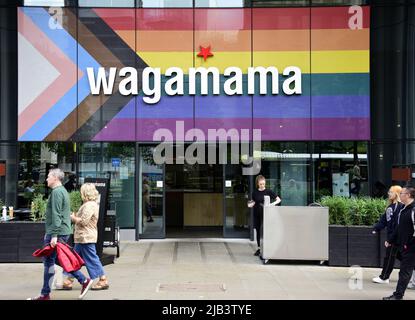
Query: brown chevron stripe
(91, 103)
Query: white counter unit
(295, 233)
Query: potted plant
(338, 220)
(351, 241)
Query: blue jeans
(49, 266)
(92, 263)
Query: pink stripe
(59, 87)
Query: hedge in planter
(351, 224)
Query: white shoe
(411, 286)
(379, 280)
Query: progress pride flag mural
(329, 45)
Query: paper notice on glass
(228, 183)
(123, 173)
(159, 184)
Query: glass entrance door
(236, 192)
(151, 218)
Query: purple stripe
(147, 127)
(283, 129)
(240, 107)
(271, 128)
(340, 106)
(341, 129)
(223, 107)
(117, 130)
(168, 107)
(205, 124)
(128, 112)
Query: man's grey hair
(57, 173)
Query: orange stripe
(281, 40)
(128, 36)
(340, 39)
(263, 40)
(232, 40)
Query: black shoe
(257, 253)
(150, 220)
(392, 297)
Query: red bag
(68, 258)
(44, 252)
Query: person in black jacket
(403, 238)
(257, 203)
(388, 221)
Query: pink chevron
(65, 81)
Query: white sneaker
(411, 286)
(379, 280)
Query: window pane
(105, 117)
(117, 162)
(222, 3)
(49, 3)
(281, 38)
(164, 3)
(47, 53)
(286, 166)
(106, 3)
(280, 3)
(35, 161)
(340, 88)
(335, 171)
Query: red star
(205, 52)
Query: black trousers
(405, 274)
(388, 262)
(258, 226)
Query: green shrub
(38, 208)
(76, 200)
(354, 211)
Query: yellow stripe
(283, 59)
(165, 60)
(350, 61)
(223, 60)
(337, 61)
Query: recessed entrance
(194, 200)
(191, 201)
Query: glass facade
(312, 143)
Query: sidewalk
(204, 269)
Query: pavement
(205, 269)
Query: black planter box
(338, 245)
(18, 240)
(363, 246)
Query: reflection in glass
(35, 161)
(106, 3)
(286, 165)
(117, 162)
(221, 3)
(150, 197)
(237, 220)
(335, 169)
(164, 3)
(48, 3)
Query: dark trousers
(405, 274)
(388, 262)
(49, 267)
(258, 226)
